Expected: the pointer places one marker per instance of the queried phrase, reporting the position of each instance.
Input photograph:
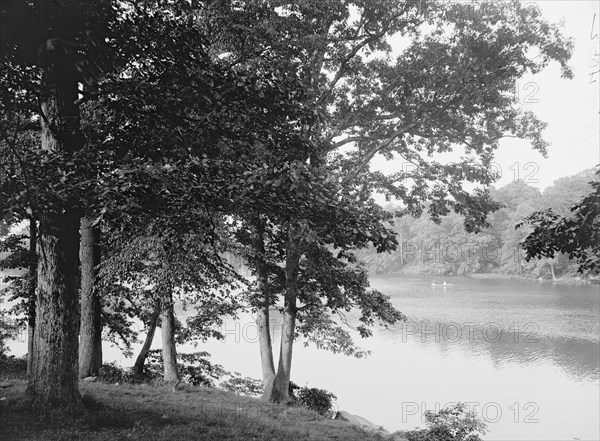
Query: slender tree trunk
(280, 391)
(401, 253)
(262, 312)
(167, 326)
(90, 332)
(552, 271)
(32, 288)
(266, 351)
(140, 361)
(53, 378)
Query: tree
(54, 375)
(563, 192)
(150, 269)
(50, 44)
(577, 235)
(364, 101)
(269, 113)
(90, 330)
(151, 322)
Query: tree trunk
(280, 390)
(90, 332)
(140, 361)
(32, 289)
(167, 326)
(552, 270)
(401, 253)
(53, 378)
(262, 311)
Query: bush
(449, 424)
(9, 329)
(111, 373)
(194, 368)
(13, 365)
(244, 386)
(319, 400)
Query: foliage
(199, 117)
(9, 364)
(138, 269)
(17, 290)
(8, 330)
(319, 400)
(194, 369)
(453, 423)
(113, 373)
(577, 235)
(243, 385)
(445, 248)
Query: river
(523, 355)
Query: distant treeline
(445, 248)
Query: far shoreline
(564, 280)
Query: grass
(135, 412)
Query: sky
(570, 107)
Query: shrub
(292, 388)
(111, 373)
(449, 424)
(244, 386)
(13, 365)
(9, 329)
(319, 400)
(194, 368)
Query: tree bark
(32, 289)
(90, 332)
(167, 326)
(280, 390)
(140, 361)
(53, 379)
(262, 310)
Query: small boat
(443, 285)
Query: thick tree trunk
(280, 390)
(262, 311)
(140, 361)
(167, 326)
(32, 289)
(53, 378)
(90, 331)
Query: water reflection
(577, 358)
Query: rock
(89, 379)
(356, 420)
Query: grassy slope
(144, 412)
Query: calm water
(525, 356)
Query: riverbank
(139, 412)
(425, 272)
(575, 281)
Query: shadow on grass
(22, 421)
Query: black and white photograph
(307, 220)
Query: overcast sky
(570, 107)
